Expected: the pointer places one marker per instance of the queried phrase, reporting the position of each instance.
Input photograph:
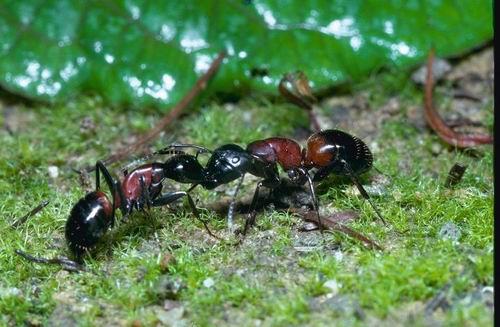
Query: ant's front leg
(250, 221)
(144, 200)
(66, 264)
(232, 204)
(268, 183)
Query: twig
(437, 123)
(33, 211)
(199, 86)
(328, 223)
(295, 88)
(439, 300)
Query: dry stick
(333, 225)
(300, 95)
(199, 86)
(33, 211)
(435, 121)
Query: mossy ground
(269, 280)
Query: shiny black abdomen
(350, 148)
(87, 222)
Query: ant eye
(235, 160)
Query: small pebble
(436, 149)
(209, 282)
(172, 317)
(450, 231)
(53, 171)
(375, 189)
(333, 285)
(171, 304)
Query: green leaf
(149, 53)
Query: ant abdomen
(88, 221)
(332, 147)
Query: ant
(329, 152)
(93, 215)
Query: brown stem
(330, 224)
(435, 121)
(33, 212)
(295, 88)
(199, 86)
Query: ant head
(226, 164)
(88, 221)
(297, 176)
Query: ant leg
(253, 213)
(114, 187)
(314, 199)
(361, 189)
(230, 212)
(145, 200)
(165, 151)
(173, 196)
(173, 149)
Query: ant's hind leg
(362, 190)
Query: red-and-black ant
(328, 151)
(94, 214)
